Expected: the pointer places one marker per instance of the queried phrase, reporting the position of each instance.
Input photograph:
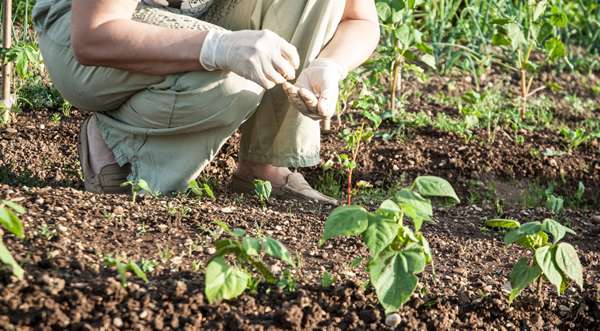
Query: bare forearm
(354, 41)
(103, 34)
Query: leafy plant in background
(397, 253)
(123, 267)
(226, 282)
(13, 224)
(533, 32)
(578, 137)
(263, 190)
(195, 188)
(141, 185)
(403, 39)
(555, 262)
(353, 138)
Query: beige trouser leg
(173, 125)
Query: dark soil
(67, 287)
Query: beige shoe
(111, 176)
(296, 188)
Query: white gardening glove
(260, 56)
(316, 91)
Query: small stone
(42, 126)
(61, 228)
(54, 254)
(188, 242)
(9, 191)
(117, 322)
(378, 183)
(226, 210)
(162, 227)
(325, 255)
(118, 210)
(487, 289)
(552, 163)
(579, 237)
(395, 168)
(392, 320)
(10, 130)
(39, 201)
(506, 288)
(379, 158)
(452, 161)
(61, 219)
(478, 300)
(210, 250)
(275, 269)
(596, 219)
(144, 314)
(468, 79)
(58, 209)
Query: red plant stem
(354, 160)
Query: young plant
(529, 35)
(327, 280)
(397, 252)
(555, 262)
(287, 280)
(141, 185)
(263, 190)
(122, 268)
(403, 37)
(226, 282)
(13, 224)
(198, 191)
(148, 265)
(578, 137)
(354, 138)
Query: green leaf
(419, 206)
(503, 223)
(429, 60)
(425, 48)
(390, 208)
(539, 9)
(209, 191)
(11, 222)
(390, 11)
(393, 276)
(500, 40)
(568, 261)
(500, 21)
(224, 226)
(557, 230)
(264, 271)
(542, 33)
(356, 262)
(406, 235)
(223, 281)
(142, 184)
(558, 18)
(193, 184)
(555, 48)
(521, 276)
(137, 270)
(427, 252)
(345, 221)
(263, 188)
(435, 186)
(16, 207)
(8, 259)
(527, 229)
(276, 249)
(376, 119)
(380, 232)
(516, 36)
(237, 232)
(546, 259)
(536, 240)
(251, 246)
(406, 37)
(554, 87)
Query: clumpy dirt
(68, 233)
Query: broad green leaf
(539, 9)
(380, 232)
(516, 36)
(390, 208)
(558, 18)
(425, 48)
(393, 276)
(557, 230)
(390, 11)
(11, 222)
(356, 262)
(568, 261)
(555, 47)
(209, 191)
(542, 33)
(276, 249)
(521, 276)
(251, 246)
(193, 184)
(405, 38)
(8, 259)
(500, 40)
(500, 21)
(224, 226)
(16, 207)
(223, 281)
(263, 188)
(264, 271)
(237, 232)
(554, 87)
(376, 119)
(406, 235)
(536, 240)
(421, 206)
(345, 221)
(503, 223)
(225, 247)
(435, 186)
(546, 259)
(429, 60)
(142, 184)
(527, 229)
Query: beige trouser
(173, 125)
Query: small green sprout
(263, 190)
(198, 191)
(122, 268)
(13, 224)
(327, 280)
(141, 185)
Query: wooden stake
(6, 42)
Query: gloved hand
(316, 91)
(260, 56)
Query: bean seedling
(226, 282)
(198, 191)
(555, 262)
(13, 224)
(263, 190)
(397, 253)
(122, 268)
(141, 185)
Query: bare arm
(357, 34)
(103, 34)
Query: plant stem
(354, 160)
(394, 85)
(539, 286)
